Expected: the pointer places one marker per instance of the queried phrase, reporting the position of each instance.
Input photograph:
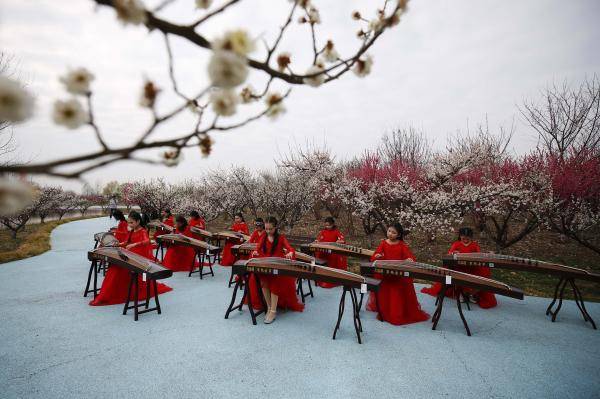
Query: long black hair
(141, 218)
(398, 227)
(181, 220)
(259, 222)
(465, 231)
(118, 214)
(331, 221)
(272, 221)
(240, 216)
(195, 214)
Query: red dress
(486, 299)
(116, 282)
(396, 298)
(282, 286)
(121, 231)
(227, 258)
(333, 260)
(199, 223)
(179, 258)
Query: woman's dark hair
(331, 221)
(398, 227)
(259, 222)
(168, 212)
(141, 218)
(465, 231)
(195, 214)
(239, 214)
(118, 214)
(181, 220)
(273, 221)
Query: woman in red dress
(466, 245)
(166, 218)
(116, 282)
(331, 234)
(197, 221)
(239, 225)
(179, 258)
(121, 231)
(396, 300)
(278, 291)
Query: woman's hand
(254, 254)
(289, 255)
(378, 256)
(131, 246)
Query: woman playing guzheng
(179, 258)
(278, 291)
(121, 232)
(197, 221)
(396, 300)
(331, 234)
(465, 245)
(166, 218)
(116, 282)
(239, 225)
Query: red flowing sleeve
(202, 224)
(454, 247)
(320, 237)
(245, 229)
(407, 253)
(285, 244)
(259, 247)
(340, 236)
(144, 238)
(255, 237)
(379, 250)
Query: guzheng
(566, 275)
(157, 224)
(338, 248)
(248, 247)
(137, 265)
(106, 239)
(202, 233)
(203, 251)
(293, 268)
(449, 279)
(180, 239)
(231, 235)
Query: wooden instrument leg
(156, 296)
(357, 321)
(230, 279)
(440, 303)
(126, 307)
(556, 290)
(158, 247)
(460, 292)
(560, 300)
(147, 305)
(136, 297)
(93, 269)
(233, 297)
(340, 312)
(581, 304)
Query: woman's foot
(270, 317)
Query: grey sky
(447, 63)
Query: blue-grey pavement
(53, 345)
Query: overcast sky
(447, 64)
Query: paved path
(53, 345)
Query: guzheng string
(516, 259)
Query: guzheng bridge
(55, 345)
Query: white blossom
(363, 66)
(15, 195)
(315, 81)
(237, 41)
(130, 11)
(247, 95)
(227, 69)
(78, 81)
(330, 54)
(224, 102)
(16, 104)
(275, 105)
(172, 157)
(313, 15)
(69, 113)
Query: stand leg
(310, 290)
(156, 296)
(136, 296)
(460, 312)
(95, 279)
(560, 301)
(356, 311)
(233, 296)
(128, 293)
(355, 317)
(147, 294)
(89, 279)
(438, 312)
(549, 309)
(340, 313)
(158, 246)
(230, 279)
(581, 304)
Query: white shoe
(270, 319)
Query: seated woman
(197, 221)
(167, 218)
(239, 225)
(116, 282)
(180, 258)
(121, 232)
(278, 291)
(331, 234)
(465, 245)
(396, 300)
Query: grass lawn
(33, 240)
